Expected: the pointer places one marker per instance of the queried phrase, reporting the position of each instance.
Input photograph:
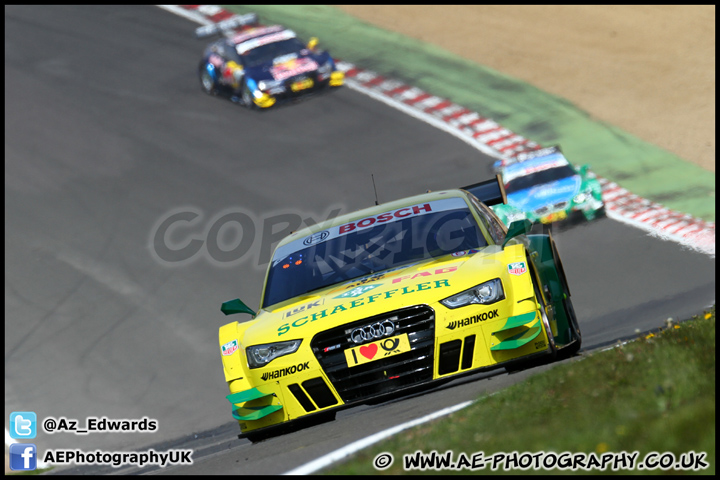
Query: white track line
(339, 454)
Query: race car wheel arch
(543, 311)
(542, 257)
(551, 275)
(546, 262)
(559, 266)
(575, 345)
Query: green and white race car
(547, 188)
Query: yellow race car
(390, 298)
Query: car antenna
(375, 188)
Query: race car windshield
(364, 251)
(539, 178)
(266, 53)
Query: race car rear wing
(231, 23)
(490, 192)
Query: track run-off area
(107, 132)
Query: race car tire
(544, 317)
(247, 97)
(207, 82)
(573, 348)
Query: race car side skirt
(251, 412)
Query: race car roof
(372, 212)
(261, 36)
(520, 169)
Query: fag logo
(230, 348)
(357, 291)
(517, 268)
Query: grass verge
(656, 394)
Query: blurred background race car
(260, 65)
(547, 188)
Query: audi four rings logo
(372, 332)
(318, 237)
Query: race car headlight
(265, 85)
(485, 293)
(261, 355)
(583, 197)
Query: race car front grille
(317, 390)
(298, 78)
(368, 380)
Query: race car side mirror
(518, 227)
(312, 43)
(236, 306)
(584, 170)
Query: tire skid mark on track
(499, 142)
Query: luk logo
(303, 308)
(517, 268)
(230, 348)
(23, 456)
(23, 425)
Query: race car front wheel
(552, 348)
(544, 317)
(247, 98)
(207, 82)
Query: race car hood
(424, 282)
(303, 62)
(547, 194)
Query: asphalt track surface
(106, 131)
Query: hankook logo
(285, 371)
(474, 319)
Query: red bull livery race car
(258, 66)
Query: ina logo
(357, 291)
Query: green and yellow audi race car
(390, 298)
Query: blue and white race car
(260, 65)
(548, 188)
